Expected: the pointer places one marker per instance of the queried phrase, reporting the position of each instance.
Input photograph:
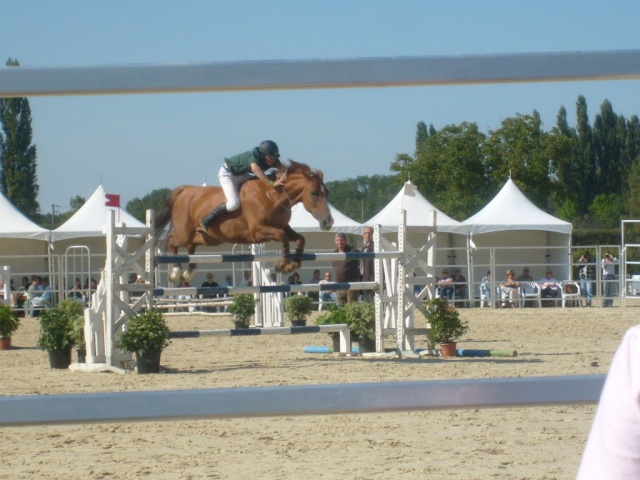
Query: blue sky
(133, 144)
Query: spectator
(25, 284)
(510, 290)
(248, 278)
(485, 289)
(315, 296)
(327, 296)
(460, 285)
(368, 269)
(346, 271)
(209, 283)
(608, 276)
(444, 287)
(34, 296)
(46, 292)
(76, 291)
(525, 277)
(133, 277)
(587, 275)
(549, 286)
(186, 296)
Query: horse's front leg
(294, 236)
(286, 264)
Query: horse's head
(311, 191)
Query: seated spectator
(209, 283)
(76, 291)
(509, 290)
(485, 288)
(327, 296)
(525, 277)
(459, 287)
(34, 296)
(133, 277)
(315, 296)
(444, 289)
(46, 292)
(549, 286)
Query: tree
(154, 201)
(521, 150)
(449, 169)
(17, 155)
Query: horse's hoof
(175, 275)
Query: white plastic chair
(570, 294)
(529, 291)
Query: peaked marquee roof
(511, 210)
(14, 224)
(417, 207)
(90, 219)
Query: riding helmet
(269, 147)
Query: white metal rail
(310, 74)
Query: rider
(237, 169)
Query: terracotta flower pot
(5, 343)
(448, 349)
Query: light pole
(53, 212)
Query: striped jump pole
(341, 328)
(308, 257)
(305, 287)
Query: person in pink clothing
(613, 446)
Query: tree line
(587, 174)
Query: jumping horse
(263, 216)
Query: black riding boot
(208, 219)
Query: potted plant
(298, 309)
(75, 310)
(361, 320)
(334, 315)
(8, 324)
(57, 336)
(243, 306)
(146, 335)
(446, 325)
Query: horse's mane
(306, 171)
(301, 168)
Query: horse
(264, 215)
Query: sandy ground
(518, 443)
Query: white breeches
(510, 293)
(230, 186)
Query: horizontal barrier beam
(332, 73)
(305, 287)
(244, 332)
(28, 410)
(273, 257)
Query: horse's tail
(163, 216)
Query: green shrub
(243, 307)
(9, 322)
(75, 311)
(360, 317)
(446, 326)
(299, 307)
(148, 332)
(56, 330)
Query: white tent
(90, 219)
(15, 225)
(23, 244)
(411, 200)
(86, 230)
(538, 240)
(451, 239)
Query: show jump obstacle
(113, 303)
